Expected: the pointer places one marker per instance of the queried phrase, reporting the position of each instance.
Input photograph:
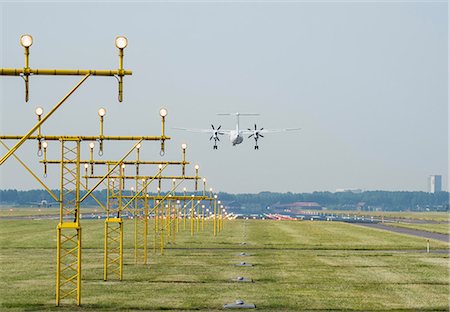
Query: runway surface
(424, 234)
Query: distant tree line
(369, 200)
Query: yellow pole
(192, 217)
(203, 217)
(121, 250)
(58, 264)
(105, 251)
(215, 220)
(145, 226)
(79, 266)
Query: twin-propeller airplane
(237, 135)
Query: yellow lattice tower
(68, 277)
(113, 249)
(141, 223)
(68, 267)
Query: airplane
(237, 135)
(44, 203)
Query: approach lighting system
(26, 40)
(121, 42)
(39, 111)
(101, 112)
(163, 112)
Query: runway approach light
(101, 112)
(184, 146)
(163, 112)
(39, 111)
(121, 42)
(26, 41)
(239, 304)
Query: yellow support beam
(62, 72)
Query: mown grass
(7, 211)
(298, 266)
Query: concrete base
(239, 304)
(241, 279)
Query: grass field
(298, 266)
(37, 211)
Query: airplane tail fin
(237, 114)
(237, 117)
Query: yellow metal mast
(68, 267)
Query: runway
(424, 234)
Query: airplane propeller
(256, 134)
(215, 135)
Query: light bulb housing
(184, 146)
(26, 40)
(101, 112)
(163, 112)
(196, 167)
(44, 144)
(39, 111)
(121, 42)
(91, 145)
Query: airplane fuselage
(236, 137)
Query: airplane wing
(210, 131)
(270, 130)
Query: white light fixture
(163, 112)
(91, 145)
(101, 112)
(44, 144)
(121, 42)
(196, 167)
(26, 41)
(39, 111)
(184, 146)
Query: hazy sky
(366, 81)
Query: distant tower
(435, 183)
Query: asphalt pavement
(424, 234)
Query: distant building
(435, 183)
(296, 205)
(354, 191)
